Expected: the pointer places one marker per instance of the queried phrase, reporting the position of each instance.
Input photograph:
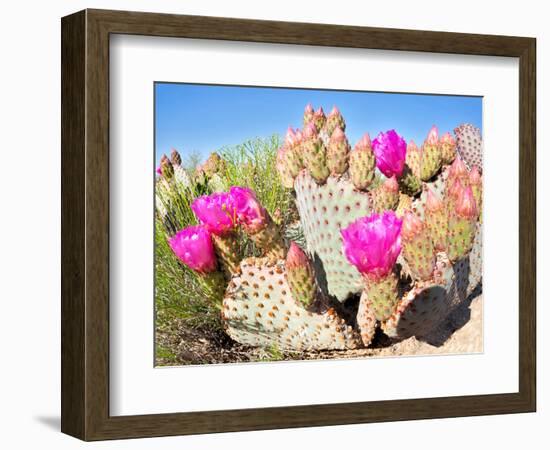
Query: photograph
(301, 224)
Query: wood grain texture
(85, 224)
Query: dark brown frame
(85, 224)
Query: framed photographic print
(271, 224)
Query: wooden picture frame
(85, 224)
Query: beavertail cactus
(362, 163)
(217, 213)
(337, 153)
(469, 145)
(315, 154)
(334, 120)
(430, 156)
(300, 275)
(418, 247)
(447, 148)
(372, 244)
(389, 238)
(386, 195)
(260, 310)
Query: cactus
(337, 152)
(469, 145)
(259, 310)
(362, 164)
(430, 156)
(300, 275)
(324, 210)
(387, 224)
(386, 195)
(315, 154)
(418, 247)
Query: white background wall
(30, 225)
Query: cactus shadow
(320, 273)
(458, 304)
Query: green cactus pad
(366, 320)
(258, 310)
(227, 250)
(419, 253)
(437, 186)
(430, 162)
(427, 304)
(382, 296)
(324, 211)
(315, 159)
(469, 145)
(408, 182)
(361, 167)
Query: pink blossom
(308, 109)
(159, 171)
(373, 243)
(193, 246)
(216, 212)
(250, 213)
(390, 150)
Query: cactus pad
(324, 211)
(258, 310)
(469, 145)
(427, 304)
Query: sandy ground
(462, 332)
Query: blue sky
(202, 118)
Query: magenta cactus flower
(216, 212)
(193, 246)
(248, 210)
(373, 243)
(390, 150)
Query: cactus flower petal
(373, 243)
(390, 150)
(249, 212)
(216, 212)
(193, 246)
